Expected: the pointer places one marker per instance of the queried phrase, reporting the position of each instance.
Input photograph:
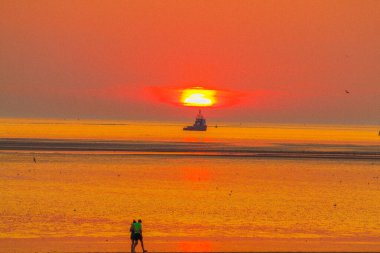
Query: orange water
(85, 202)
(245, 133)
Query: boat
(199, 124)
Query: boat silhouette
(199, 124)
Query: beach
(227, 189)
(225, 126)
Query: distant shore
(276, 150)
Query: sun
(198, 96)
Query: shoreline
(176, 148)
(184, 244)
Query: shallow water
(85, 200)
(68, 195)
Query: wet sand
(120, 244)
(85, 202)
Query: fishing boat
(199, 124)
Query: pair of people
(136, 235)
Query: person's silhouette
(132, 241)
(137, 235)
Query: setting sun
(198, 97)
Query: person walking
(131, 229)
(137, 235)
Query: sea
(76, 186)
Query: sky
(284, 61)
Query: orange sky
(291, 61)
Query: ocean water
(75, 186)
